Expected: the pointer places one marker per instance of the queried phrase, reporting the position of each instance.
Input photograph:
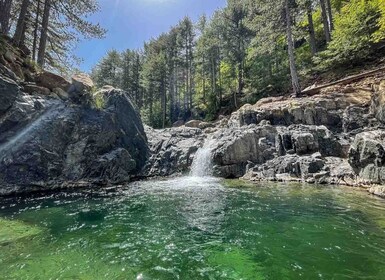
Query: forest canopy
(50, 29)
(245, 51)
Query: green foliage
(240, 55)
(99, 101)
(357, 27)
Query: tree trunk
(5, 16)
(44, 34)
(330, 15)
(325, 21)
(164, 103)
(312, 40)
(204, 80)
(36, 30)
(289, 35)
(20, 27)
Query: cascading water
(202, 163)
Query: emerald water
(192, 228)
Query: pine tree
(5, 15)
(19, 35)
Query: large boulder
(172, 150)
(51, 81)
(81, 83)
(46, 143)
(367, 156)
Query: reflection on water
(194, 228)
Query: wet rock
(46, 141)
(9, 90)
(172, 150)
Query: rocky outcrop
(335, 137)
(46, 142)
(274, 152)
(367, 156)
(324, 109)
(51, 81)
(172, 150)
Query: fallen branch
(312, 91)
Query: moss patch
(234, 263)
(237, 183)
(10, 231)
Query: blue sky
(132, 22)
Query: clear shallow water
(190, 228)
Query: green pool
(191, 228)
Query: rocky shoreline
(56, 133)
(334, 137)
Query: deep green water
(195, 229)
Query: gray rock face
(378, 102)
(172, 150)
(8, 93)
(297, 150)
(47, 141)
(367, 156)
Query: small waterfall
(202, 163)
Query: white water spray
(202, 164)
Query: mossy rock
(11, 231)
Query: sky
(130, 23)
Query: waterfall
(202, 163)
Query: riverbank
(58, 134)
(336, 136)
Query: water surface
(192, 228)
